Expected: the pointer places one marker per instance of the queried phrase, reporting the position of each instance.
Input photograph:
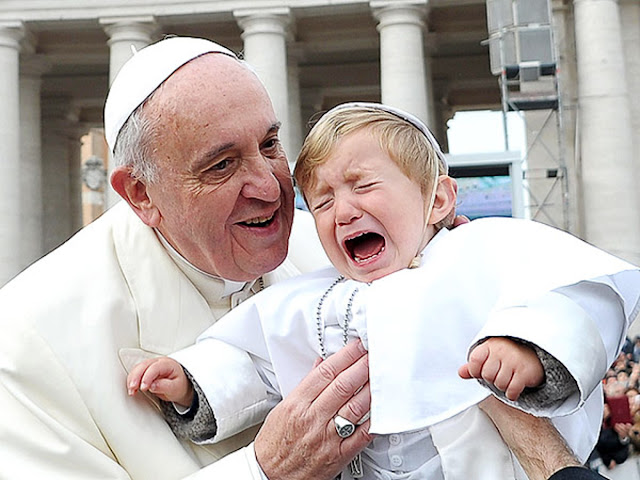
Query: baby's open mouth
(365, 246)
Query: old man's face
(224, 191)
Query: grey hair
(133, 146)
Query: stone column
(612, 221)
(630, 17)
(432, 111)
(31, 69)
(126, 35)
(10, 36)
(57, 225)
(264, 33)
(403, 79)
(73, 134)
(296, 134)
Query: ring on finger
(344, 427)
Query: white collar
(212, 287)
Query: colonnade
(609, 159)
(39, 144)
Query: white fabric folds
(496, 275)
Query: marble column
(10, 36)
(630, 23)
(126, 35)
(32, 67)
(73, 134)
(606, 143)
(630, 18)
(264, 33)
(432, 112)
(403, 77)
(58, 216)
(296, 133)
(563, 22)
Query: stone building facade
(57, 58)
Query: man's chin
(263, 262)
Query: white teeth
(258, 220)
(360, 260)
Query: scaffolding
(522, 56)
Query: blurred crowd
(620, 434)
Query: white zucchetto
(144, 72)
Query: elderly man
(207, 219)
(206, 222)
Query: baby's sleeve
(230, 391)
(197, 423)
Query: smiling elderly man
(207, 221)
(208, 212)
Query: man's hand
(534, 441)
(298, 440)
(508, 365)
(164, 377)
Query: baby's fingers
(152, 374)
(477, 360)
(515, 388)
(135, 376)
(463, 372)
(504, 378)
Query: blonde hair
(407, 145)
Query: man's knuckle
(327, 371)
(342, 387)
(356, 410)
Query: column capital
(136, 29)
(28, 42)
(11, 34)
(389, 12)
(263, 20)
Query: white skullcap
(406, 116)
(144, 72)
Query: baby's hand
(508, 365)
(164, 377)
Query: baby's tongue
(367, 246)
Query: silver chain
(347, 318)
(355, 466)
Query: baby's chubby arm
(508, 365)
(164, 377)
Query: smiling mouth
(365, 246)
(259, 222)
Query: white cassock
(492, 277)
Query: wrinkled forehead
(209, 81)
(212, 104)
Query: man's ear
(445, 201)
(135, 192)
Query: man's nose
(261, 182)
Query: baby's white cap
(406, 116)
(144, 72)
